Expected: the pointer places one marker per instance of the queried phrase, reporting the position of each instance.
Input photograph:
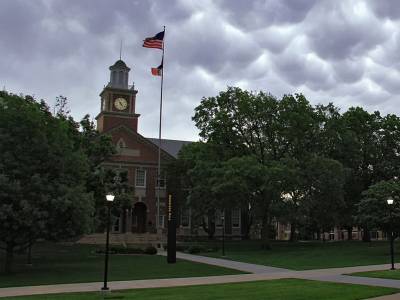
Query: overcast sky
(346, 52)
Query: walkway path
(258, 273)
(231, 264)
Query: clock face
(120, 103)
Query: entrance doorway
(139, 215)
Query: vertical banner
(171, 241)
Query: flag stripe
(153, 44)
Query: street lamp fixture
(110, 199)
(390, 202)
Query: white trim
(189, 210)
(136, 177)
(240, 218)
(218, 218)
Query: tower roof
(119, 64)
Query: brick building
(136, 154)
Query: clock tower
(118, 100)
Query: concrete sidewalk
(258, 273)
(231, 264)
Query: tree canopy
(256, 149)
(45, 164)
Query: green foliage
(151, 250)
(265, 148)
(257, 148)
(373, 209)
(45, 166)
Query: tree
(43, 173)
(359, 154)
(373, 209)
(100, 181)
(241, 123)
(236, 182)
(197, 163)
(324, 178)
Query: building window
(140, 178)
(161, 221)
(116, 225)
(218, 218)
(185, 217)
(163, 181)
(236, 218)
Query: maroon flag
(155, 41)
(157, 71)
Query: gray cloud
(343, 51)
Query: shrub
(181, 248)
(150, 250)
(196, 249)
(121, 250)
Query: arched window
(121, 77)
(113, 77)
(126, 79)
(121, 144)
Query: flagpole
(159, 137)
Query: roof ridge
(170, 140)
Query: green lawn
(309, 255)
(282, 289)
(53, 264)
(386, 274)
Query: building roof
(172, 147)
(119, 64)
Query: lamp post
(390, 203)
(110, 199)
(223, 232)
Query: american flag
(155, 41)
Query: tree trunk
(9, 258)
(29, 262)
(209, 228)
(123, 220)
(248, 228)
(349, 233)
(366, 237)
(265, 232)
(292, 232)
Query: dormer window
(121, 144)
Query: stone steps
(123, 239)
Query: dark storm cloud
(341, 34)
(343, 51)
(386, 8)
(261, 13)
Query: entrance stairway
(125, 239)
